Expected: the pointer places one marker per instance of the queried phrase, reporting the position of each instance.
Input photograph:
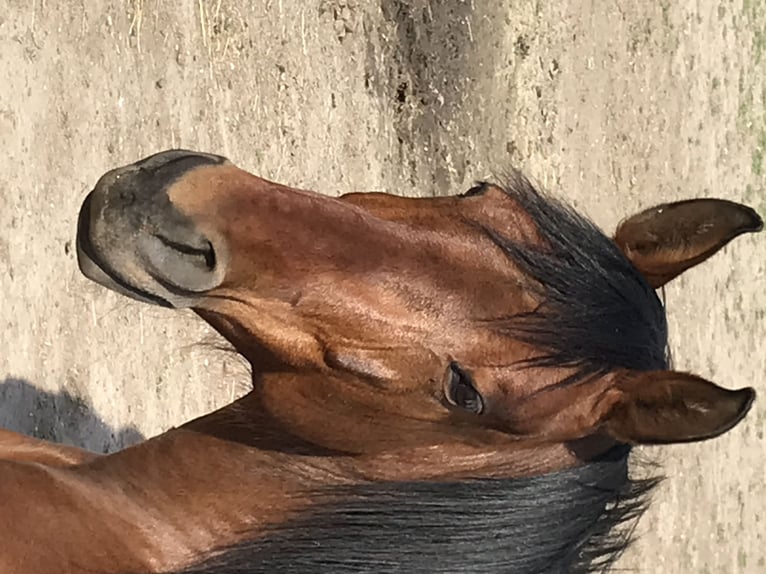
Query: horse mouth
(97, 269)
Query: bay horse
(450, 384)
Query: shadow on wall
(59, 417)
(432, 72)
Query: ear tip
(752, 222)
(746, 396)
(743, 401)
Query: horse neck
(199, 487)
(368, 516)
(204, 484)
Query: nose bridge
(252, 211)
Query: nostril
(204, 254)
(187, 263)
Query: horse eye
(460, 392)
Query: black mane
(598, 314)
(560, 523)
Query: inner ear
(664, 241)
(669, 407)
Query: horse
(443, 384)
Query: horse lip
(98, 270)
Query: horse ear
(662, 407)
(664, 241)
